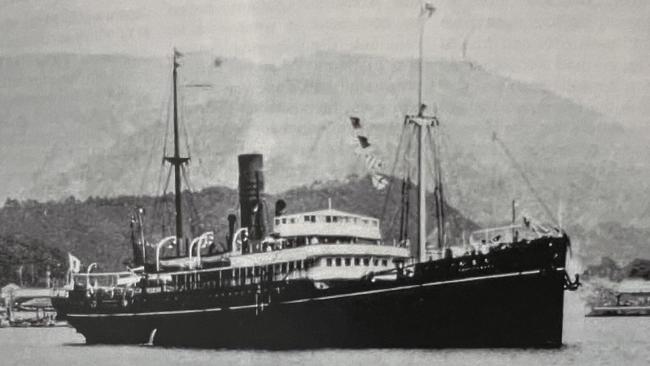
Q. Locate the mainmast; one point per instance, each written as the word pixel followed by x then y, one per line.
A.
pixel 177 161
pixel 423 124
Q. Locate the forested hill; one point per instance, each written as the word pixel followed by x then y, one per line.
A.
pixel 97 229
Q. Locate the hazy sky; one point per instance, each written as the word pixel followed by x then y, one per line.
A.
pixel 594 52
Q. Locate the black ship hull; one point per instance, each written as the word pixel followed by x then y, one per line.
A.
pixel 509 310
pixel 512 298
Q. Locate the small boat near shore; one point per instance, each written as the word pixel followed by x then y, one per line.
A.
pixel 631 297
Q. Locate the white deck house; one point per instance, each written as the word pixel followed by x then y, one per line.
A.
pixel 320 245
pixel 327 227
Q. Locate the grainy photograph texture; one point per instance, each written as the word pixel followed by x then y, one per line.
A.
pixel 324 182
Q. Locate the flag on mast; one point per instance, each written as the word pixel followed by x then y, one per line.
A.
pixel 356 123
pixel 74 263
pixel 379 181
pixel 177 55
pixel 364 149
pixel 427 10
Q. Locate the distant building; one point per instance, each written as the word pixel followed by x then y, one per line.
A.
pixel 606 269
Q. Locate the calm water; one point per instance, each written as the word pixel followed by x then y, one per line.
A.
pixel 589 341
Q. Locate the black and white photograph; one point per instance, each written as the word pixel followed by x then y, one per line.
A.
pixel 324 182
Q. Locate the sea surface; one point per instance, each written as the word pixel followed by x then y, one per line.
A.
pixel 588 341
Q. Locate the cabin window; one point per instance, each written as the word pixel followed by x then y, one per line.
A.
pixel 329 262
pixel 335 218
pixel 292 220
pixel 328 218
pixel 290 266
pixel 284 221
pixel 338 262
pixel 384 262
pixel 313 218
pixel 357 261
pixel 366 261
pixel 284 268
pixel 306 218
pixel 277 268
pixel 375 222
pixel 365 222
pixel 347 261
pixel 299 264
pixel 277 221
pixel 375 262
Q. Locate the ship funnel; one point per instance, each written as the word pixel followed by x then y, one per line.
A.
pixel 280 206
pixel 251 189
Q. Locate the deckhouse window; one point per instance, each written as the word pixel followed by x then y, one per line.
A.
pixel 328 218
pixel 338 262
pixel 366 261
pixel 375 262
pixel 384 262
pixel 357 261
pixel 329 262
pixel 347 261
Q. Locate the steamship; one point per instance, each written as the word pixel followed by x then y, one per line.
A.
pixel 327 278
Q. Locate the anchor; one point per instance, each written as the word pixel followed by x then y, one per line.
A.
pixel 571 285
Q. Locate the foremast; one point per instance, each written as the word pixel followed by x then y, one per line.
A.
pixel 177 160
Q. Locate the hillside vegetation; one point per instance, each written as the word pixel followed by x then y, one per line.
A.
pixel 97 229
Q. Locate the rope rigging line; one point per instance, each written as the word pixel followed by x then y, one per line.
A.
pixel 436 172
pixel 169 106
pixel 388 199
pixel 523 175
pixel 164 107
pixel 392 173
pixel 165 203
pixel 184 127
pixel 160 199
pixel 190 198
pixel 404 208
